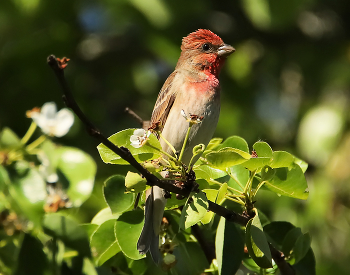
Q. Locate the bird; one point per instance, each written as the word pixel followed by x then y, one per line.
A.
pixel 192 88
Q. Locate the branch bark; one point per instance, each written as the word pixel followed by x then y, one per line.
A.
pixel 284 267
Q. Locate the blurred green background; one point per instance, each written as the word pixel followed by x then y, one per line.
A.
pixel 287 84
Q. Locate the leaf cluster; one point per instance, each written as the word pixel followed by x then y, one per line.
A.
pixel 227 173
pixel 37 180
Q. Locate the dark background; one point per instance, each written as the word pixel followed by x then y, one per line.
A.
pixel 286 84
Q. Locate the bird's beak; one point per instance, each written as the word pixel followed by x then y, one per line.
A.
pixel 225 50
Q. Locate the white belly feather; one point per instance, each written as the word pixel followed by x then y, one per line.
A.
pixel 175 128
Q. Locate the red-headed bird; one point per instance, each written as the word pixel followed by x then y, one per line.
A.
pixel 195 88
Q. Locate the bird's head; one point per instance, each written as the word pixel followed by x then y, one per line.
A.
pixel 204 50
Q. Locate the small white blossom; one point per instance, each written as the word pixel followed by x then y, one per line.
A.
pixel 139 138
pixel 193 119
pixel 50 121
pixel 183 114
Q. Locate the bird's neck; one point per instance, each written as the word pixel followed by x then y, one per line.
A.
pixel 211 66
pixel 202 82
pixel 206 65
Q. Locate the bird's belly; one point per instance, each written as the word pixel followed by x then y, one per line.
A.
pixel 175 129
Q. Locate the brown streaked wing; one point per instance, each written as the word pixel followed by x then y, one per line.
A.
pixel 164 101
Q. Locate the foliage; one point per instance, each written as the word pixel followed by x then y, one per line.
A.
pixel 226 172
pixel 37 180
pixel 41 178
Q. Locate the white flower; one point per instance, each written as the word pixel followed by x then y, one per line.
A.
pixel 139 138
pixel 183 114
pixel 193 119
pixel 50 121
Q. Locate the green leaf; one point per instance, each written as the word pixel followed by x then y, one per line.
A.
pixel 78 170
pixel 4 178
pixel 31 259
pixel 9 252
pixel 174 218
pixel 282 236
pixel 194 210
pixel 239 177
pixel 281 159
pixel 137 267
pixel 221 194
pixel 173 202
pixel 211 195
pixel 88 268
pixel 128 229
pixel 289 240
pixel 213 143
pixel 115 196
pixel 104 244
pixel 68 231
pixel 276 232
pixel 50 154
pixel 190 260
pixel 256 163
pixel 307 265
pixel 204 184
pixel 104 215
pixel 257 245
pixel 89 229
pixel 227 157
pixel 303 165
pixel 152 166
pixel 207 176
pixel 122 138
pixel 134 182
pixel 249 263
pixel 229 247
pixel 264 220
pixel 8 139
pixel 28 189
pixel 234 142
pixel 209 173
pixel 289 182
pixel 264 153
pixel 302 246
pixel 262 149
pixel 267 173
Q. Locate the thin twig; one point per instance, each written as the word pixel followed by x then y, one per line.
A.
pixel 143 123
pixel 137 199
pixel 284 267
pixel 228 214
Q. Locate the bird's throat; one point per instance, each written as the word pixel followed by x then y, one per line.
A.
pixel 209 83
pixel 213 67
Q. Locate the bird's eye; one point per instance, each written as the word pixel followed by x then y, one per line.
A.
pixel 206 47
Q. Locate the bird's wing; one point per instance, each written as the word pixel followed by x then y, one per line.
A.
pixel 164 101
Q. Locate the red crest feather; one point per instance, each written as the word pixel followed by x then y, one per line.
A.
pixel 195 39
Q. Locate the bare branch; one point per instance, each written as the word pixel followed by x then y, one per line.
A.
pixel 284 267
pixel 143 123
